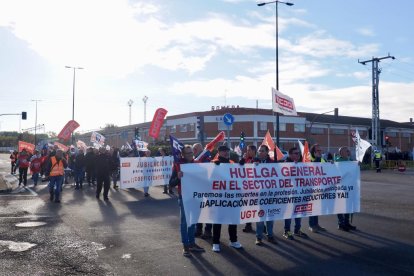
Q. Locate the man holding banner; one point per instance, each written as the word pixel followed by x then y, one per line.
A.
pixel 187 232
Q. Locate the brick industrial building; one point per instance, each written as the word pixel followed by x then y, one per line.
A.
pixel 330 131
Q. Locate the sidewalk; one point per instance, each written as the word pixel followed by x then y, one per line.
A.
pixel 6 182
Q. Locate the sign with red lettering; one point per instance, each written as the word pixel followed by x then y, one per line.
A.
pixel 235 194
pixel 283 103
pixel 29 147
pixel 65 133
pixel 157 122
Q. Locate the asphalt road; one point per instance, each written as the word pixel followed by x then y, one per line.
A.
pixel 135 235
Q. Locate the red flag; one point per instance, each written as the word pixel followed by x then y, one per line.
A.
pixel 268 141
pixel 67 130
pixel 220 137
pixel 157 122
pixel 61 146
pixel 29 147
pixel 306 154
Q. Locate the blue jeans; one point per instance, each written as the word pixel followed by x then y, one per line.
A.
pixel 79 175
pixel 187 233
pixel 146 189
pixel 313 221
pixel 260 228
pixel 288 222
pixel 35 177
pixel 55 185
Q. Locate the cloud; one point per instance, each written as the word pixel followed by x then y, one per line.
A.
pixel 366 32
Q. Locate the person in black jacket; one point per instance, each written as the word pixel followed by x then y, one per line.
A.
pixel 90 165
pixel 79 168
pixel 103 173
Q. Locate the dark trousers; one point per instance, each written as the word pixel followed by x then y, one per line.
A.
pixel 207 228
pixel 313 221
pixel 23 176
pixel 105 182
pixel 217 233
pixel 343 219
pixel 13 167
pixel 90 175
pixel 377 165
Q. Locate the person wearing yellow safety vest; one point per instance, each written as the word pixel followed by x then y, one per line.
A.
pixel 377 159
pixel 316 156
pixel 55 172
pixel 343 219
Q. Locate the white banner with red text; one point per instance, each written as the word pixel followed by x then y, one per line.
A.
pixel 138 172
pixel 235 194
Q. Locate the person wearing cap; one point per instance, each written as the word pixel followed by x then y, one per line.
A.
pixel 55 172
pixel 187 231
pixel 343 219
pixel 263 157
pixel 224 157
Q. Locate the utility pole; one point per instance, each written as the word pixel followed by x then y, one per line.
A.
pixel 145 99
pixel 376 128
pixel 130 102
pixel 35 128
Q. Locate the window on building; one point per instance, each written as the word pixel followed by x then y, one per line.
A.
pixel 222 126
pixel 338 131
pixel 299 128
pixel 406 135
pixel 391 134
pixel 183 128
pixel 192 127
pixel 317 130
pixel 172 129
pixel 282 127
pixel 263 126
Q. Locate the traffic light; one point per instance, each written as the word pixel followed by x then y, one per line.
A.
pixel 24 115
pixel 387 140
pixel 136 133
pixel 242 142
pixel 200 128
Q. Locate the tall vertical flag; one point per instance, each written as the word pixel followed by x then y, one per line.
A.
pixel 157 122
pixel 268 141
pixel 361 146
pixel 282 103
pixel 176 148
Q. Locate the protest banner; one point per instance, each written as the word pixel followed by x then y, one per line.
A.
pixel 97 138
pixel 283 103
pixel 67 130
pixel 138 172
pixel 24 145
pixel 235 194
pixel 157 122
pixel 62 147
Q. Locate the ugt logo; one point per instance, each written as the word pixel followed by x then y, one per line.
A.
pixel 303 208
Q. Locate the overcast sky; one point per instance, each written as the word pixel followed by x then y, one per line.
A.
pixel 187 56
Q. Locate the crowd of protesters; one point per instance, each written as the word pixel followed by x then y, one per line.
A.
pixel 98 167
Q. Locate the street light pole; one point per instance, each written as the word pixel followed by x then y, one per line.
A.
pixel 35 128
pixel 73 95
pixel 277 57
pixel 130 102
pixel 145 99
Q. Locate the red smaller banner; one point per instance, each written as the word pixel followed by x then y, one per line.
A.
pixel 61 146
pixel 67 130
pixel 29 147
pixel 157 122
pixel 220 137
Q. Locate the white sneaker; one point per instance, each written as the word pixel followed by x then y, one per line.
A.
pixel 236 245
pixel 216 247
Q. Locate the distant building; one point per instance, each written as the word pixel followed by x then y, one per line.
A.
pixel 330 131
